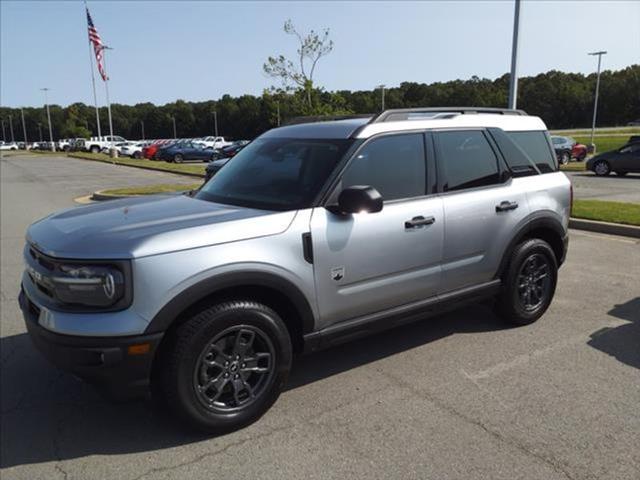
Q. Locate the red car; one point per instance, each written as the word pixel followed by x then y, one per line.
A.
pixel 149 152
pixel 579 152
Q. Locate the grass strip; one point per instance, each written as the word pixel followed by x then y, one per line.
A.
pixel 151 189
pixel 195 170
pixel 603 211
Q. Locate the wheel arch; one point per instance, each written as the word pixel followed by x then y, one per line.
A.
pixel 270 289
pixel 546 228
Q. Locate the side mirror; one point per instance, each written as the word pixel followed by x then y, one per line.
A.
pixel 359 199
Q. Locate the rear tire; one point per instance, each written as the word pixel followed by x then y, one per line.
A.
pixel 95 149
pixel 565 157
pixel 621 174
pixel 177 158
pixel 137 155
pixel 529 283
pixel 225 367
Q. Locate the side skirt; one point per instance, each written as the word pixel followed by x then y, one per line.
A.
pixel 376 322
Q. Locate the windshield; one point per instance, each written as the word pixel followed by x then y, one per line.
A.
pixel 276 173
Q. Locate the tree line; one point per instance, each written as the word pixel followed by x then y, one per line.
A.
pixel 562 100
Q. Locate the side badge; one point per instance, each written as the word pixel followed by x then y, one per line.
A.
pixel 337 273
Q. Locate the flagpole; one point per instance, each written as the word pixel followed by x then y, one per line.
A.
pixel 93 82
pixel 106 88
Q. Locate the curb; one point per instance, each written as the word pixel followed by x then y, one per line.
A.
pixel 101 197
pixel 142 167
pixel 605 227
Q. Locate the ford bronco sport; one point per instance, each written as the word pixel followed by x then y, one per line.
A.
pixel 314 234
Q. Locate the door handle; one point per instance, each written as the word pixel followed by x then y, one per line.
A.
pixel 505 206
pixel 420 221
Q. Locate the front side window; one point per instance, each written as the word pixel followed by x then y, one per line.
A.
pixel 394 165
pixel 536 146
pixel 276 173
pixel 467 159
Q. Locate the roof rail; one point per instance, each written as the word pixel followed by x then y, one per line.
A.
pixel 396 115
pixel 325 118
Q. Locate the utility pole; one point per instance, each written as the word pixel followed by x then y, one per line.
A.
pixel 13 140
pixel 24 128
pixel 142 128
pixel 40 131
pixel 215 123
pixel 46 102
pixel 382 87
pixel 595 103
pixel 513 79
pixel 278 111
pixel 175 134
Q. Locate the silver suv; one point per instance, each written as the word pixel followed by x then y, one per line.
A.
pixel 314 234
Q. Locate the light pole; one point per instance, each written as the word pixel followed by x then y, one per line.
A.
pixel 595 103
pixel 142 128
pixel 40 131
pixel 4 137
pixel 513 79
pixel 24 128
pixel 215 123
pixel 175 134
pixel 13 140
pixel 382 87
pixel 112 152
pixel 46 102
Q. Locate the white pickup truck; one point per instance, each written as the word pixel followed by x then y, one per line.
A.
pixel 214 142
pixel 95 144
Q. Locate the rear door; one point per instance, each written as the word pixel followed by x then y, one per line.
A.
pixel 482 206
pixel 366 263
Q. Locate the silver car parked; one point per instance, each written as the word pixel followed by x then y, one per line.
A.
pixel 315 234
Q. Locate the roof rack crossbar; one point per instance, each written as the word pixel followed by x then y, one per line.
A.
pixel 399 114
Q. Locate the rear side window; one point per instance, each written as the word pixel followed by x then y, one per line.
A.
pixel 467 160
pixel 536 146
pixel 394 165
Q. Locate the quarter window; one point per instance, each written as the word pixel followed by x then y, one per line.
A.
pixel 536 146
pixel 394 165
pixel 467 160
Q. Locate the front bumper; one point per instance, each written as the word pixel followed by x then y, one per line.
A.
pixel 108 362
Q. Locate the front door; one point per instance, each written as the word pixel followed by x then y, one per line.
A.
pixel 366 263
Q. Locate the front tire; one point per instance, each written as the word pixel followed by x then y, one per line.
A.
pixel 621 174
pixel 565 157
pixel 177 158
pixel 529 283
pixel 226 366
pixel 602 168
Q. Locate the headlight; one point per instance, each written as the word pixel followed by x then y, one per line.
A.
pixel 89 285
pixel 77 285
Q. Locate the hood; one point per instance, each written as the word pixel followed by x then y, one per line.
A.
pixel 138 227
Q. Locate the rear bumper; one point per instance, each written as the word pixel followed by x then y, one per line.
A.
pixel 106 362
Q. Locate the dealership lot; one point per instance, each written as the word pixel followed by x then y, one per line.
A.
pixel 458 396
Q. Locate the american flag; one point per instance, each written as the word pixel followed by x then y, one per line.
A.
pixel 98 47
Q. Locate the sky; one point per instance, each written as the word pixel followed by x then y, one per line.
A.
pixel 201 50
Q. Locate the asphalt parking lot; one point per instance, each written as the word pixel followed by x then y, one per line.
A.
pixel 454 397
pixel 613 188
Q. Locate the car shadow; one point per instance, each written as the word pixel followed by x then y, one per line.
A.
pixel 622 342
pixel 49 416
